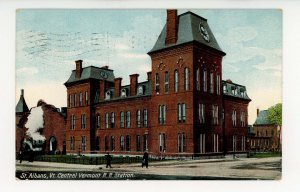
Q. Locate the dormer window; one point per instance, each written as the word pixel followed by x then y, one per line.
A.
pixel 123 93
pixel 108 95
pixel 140 90
pixel 224 89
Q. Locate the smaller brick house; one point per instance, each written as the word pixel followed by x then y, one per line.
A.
pixel 53 128
pixel 265 134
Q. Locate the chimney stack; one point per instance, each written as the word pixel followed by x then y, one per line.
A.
pixel 133 84
pixel 102 90
pixel 78 68
pixel 172 26
pixel 118 82
pixel 149 75
pixel 257 112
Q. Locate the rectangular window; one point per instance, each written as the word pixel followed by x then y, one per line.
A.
pixel 234 143
pixel 157 83
pixel 128 142
pixel 242 119
pixel 186 79
pixel 86 98
pixel 112 120
pixel 112 143
pixel 243 144
pixel 215 114
pixel 145 142
pixel 138 143
pixel 138 118
pixel 234 118
pixel 162 114
pixel 72 122
pixel 83 143
pixel 202 143
pixel 216 143
pixel 80 99
pixel 72 143
pixel 128 119
pixel 197 79
pixel 179 117
pixel 181 142
pixel 211 82
pixel 122 119
pixel 106 120
pixel 201 113
pixel 183 112
pixel 98 121
pixel 75 100
pixel 204 81
pixel 70 100
pixel 106 143
pixel 166 82
pixel 218 84
pixel 145 118
pixel 83 121
pixel 162 142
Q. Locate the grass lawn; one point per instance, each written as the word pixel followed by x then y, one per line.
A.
pixel 265 155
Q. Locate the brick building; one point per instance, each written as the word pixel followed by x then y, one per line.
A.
pixel 182 109
pixel 54 126
pixel 266 135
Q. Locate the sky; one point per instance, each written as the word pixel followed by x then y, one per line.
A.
pixel 48 41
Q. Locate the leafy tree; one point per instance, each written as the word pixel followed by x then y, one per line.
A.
pixel 275 114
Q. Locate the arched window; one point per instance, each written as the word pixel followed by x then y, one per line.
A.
pixel 204 80
pixel 166 82
pixel 198 79
pixel 106 120
pixel 176 81
pixel 186 79
pixel 106 143
pixel 128 143
pixel 112 143
pixel 122 143
pixel 122 120
pixel 112 120
pixel 211 82
pixel 128 119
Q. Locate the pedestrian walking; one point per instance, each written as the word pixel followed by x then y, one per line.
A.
pixel 145 160
pixel 108 160
pixel 21 156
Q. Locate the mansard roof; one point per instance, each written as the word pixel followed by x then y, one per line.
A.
pixel 188 31
pixel 234 90
pixel 92 72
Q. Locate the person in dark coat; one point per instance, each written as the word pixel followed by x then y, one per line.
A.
pixel 145 160
pixel 108 160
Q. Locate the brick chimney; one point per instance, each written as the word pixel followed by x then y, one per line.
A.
pixel 133 84
pixel 149 75
pixel 104 67
pixel 78 68
pixel 102 90
pixel 257 112
pixel 118 82
pixel 172 26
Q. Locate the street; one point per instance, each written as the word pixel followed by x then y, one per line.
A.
pixel 220 169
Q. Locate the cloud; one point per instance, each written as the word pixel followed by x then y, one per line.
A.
pixel 134 55
pixel 26 71
pixel 238 52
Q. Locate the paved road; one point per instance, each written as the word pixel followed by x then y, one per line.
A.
pixel 242 168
